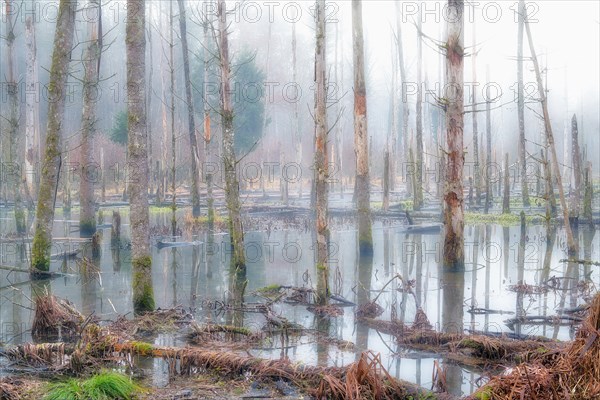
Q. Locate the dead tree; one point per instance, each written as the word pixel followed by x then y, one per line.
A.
pixel 207 128
pixel 403 83
pixel 488 144
pixel 453 193
pixel 418 176
pixel 32 120
pixel 87 215
pixel 141 256
pixel 321 160
pixel 571 243
pixel 296 118
pixel 577 174
pixel 506 196
pixel 476 168
pixel 51 164
pixel 13 122
pixel 191 115
pixel 232 187
pixel 361 138
pixel 521 107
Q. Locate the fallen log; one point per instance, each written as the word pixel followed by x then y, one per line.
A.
pixel 582 262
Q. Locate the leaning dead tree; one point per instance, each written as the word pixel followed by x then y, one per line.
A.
pixel 51 164
pixel 194 159
pixel 521 107
pixel 571 243
pixel 361 136
pixel 453 191
pixel 141 256
pixel 321 160
pixel 91 64
pixel 232 187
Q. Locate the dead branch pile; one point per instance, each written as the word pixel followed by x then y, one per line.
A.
pixel 55 317
pixel 466 349
pixel 574 374
pixel 9 389
pixel 151 323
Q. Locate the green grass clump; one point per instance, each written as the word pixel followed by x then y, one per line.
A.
pixel 104 386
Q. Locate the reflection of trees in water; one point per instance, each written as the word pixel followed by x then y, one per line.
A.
pixel 363 289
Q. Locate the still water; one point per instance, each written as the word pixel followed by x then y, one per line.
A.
pixel 197 276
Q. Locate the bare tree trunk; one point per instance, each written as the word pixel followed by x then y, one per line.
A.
pixel 190 108
pixel 506 197
pixel 588 196
pixel 59 71
pixel 232 187
pixel 477 172
pixel 521 108
pixel 151 170
pixel 173 142
pixel 339 78
pixel 571 243
pixel 488 146
pixel 103 176
pixel 403 83
pixel 361 138
pixel 141 259
pixel 32 122
pixel 577 174
pixel 453 194
pixel 386 179
pixel 87 215
pixel 321 159
pixel 296 118
pixel 418 177
pixel 13 122
pixel 207 130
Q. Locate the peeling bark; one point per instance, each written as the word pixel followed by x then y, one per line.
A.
pixel 321 159
pixel 521 108
pixel 361 138
pixel 453 192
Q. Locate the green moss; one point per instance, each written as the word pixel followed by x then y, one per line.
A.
pixel 40 259
pixel 143 293
pixel 143 348
pixel 485 393
pixel 270 290
pixel 407 205
pixel 103 386
pixel 500 219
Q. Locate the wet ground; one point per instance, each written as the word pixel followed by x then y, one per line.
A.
pixel 499 261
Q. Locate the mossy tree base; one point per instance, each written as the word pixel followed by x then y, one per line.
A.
pixel 143 292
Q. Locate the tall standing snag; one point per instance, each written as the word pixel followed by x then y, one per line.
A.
pixel 51 164
pixel 453 190
pixel 232 187
pixel 577 173
pixel 141 259
pixel 190 108
pixel 361 138
pixel 87 216
pixel 321 159
pixel 521 107
pixel 571 243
